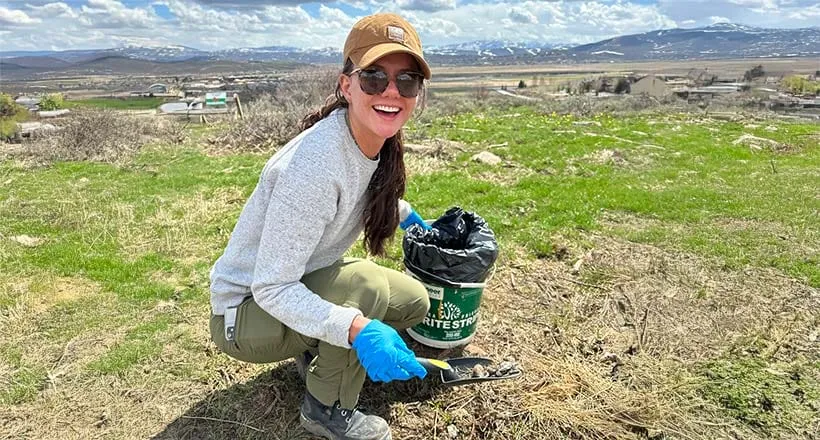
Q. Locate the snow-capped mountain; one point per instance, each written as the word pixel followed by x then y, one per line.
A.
pixel 158 53
pixel 723 40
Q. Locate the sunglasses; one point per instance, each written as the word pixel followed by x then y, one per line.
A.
pixel 375 81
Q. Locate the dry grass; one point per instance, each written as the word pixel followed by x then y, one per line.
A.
pixel 175 228
pixel 608 353
pixel 272 119
pixel 98 135
pixel 430 155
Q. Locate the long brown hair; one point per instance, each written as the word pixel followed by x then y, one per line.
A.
pixel 381 215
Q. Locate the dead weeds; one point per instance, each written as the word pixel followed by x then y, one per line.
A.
pixel 431 156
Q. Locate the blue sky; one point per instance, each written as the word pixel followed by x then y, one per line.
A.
pixel 220 24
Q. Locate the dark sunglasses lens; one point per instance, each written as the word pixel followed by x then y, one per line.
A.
pixel 373 82
pixel 408 85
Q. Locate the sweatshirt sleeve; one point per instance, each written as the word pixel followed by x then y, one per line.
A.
pixel 302 202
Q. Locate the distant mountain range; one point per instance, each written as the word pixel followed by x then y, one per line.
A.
pixel 723 40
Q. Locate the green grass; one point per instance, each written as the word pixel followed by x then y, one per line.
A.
pixel 763 395
pixel 692 178
pixel 140 344
pixel 136 103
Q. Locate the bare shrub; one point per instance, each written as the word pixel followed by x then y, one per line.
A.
pixel 101 135
pixel 272 119
pixel 584 105
pixel 745 100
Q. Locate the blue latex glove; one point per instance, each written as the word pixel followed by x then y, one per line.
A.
pixel 414 219
pixel 384 355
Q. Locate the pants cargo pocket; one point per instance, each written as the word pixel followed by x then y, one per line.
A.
pixel 260 338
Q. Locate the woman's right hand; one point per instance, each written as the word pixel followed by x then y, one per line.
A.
pixel 384 355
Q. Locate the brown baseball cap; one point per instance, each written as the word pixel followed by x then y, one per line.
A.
pixel 378 35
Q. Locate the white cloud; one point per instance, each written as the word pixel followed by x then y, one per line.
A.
pixel 335 18
pixel 290 15
pixel 759 6
pixel 717 19
pixel 52 10
pixel 438 27
pixel 426 5
pixel 521 15
pixel 807 13
pixel 16 17
pixel 210 24
pixel 112 14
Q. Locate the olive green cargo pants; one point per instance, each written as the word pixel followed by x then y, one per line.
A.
pixel 335 373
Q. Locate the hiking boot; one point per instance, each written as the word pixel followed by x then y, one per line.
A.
pixel 337 423
pixel 303 361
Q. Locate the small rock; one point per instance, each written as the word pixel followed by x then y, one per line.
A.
pixel 83 180
pixel 595 123
pixel 576 268
pixel 452 431
pixel 487 158
pixel 771 128
pixel 27 241
pixel 479 371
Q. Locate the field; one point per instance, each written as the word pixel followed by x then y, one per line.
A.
pixel 116 103
pixel 659 278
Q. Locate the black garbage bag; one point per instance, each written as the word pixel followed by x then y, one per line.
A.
pixel 460 248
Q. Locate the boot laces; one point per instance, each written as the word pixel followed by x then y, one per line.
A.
pixel 347 414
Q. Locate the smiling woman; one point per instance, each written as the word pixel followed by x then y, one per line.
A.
pixel 281 289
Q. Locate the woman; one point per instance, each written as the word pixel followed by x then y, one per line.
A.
pixel 281 288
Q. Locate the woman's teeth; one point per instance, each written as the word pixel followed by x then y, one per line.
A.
pixel 387 109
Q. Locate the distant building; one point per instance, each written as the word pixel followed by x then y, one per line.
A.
pixel 650 85
pixel 30 103
pixel 157 88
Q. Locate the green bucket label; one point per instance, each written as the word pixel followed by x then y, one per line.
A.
pixel 453 315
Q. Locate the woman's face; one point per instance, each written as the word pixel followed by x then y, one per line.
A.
pixel 374 118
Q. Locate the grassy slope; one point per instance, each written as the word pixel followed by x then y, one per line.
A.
pixel 116 293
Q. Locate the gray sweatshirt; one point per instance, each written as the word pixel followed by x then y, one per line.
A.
pixel 304 214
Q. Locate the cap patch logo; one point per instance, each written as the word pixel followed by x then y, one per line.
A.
pixel 395 33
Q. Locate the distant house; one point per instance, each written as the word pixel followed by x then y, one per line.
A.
pixel 30 103
pixel 157 88
pixel 650 85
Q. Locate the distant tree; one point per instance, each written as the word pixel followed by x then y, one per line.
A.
pixel 622 86
pixel 51 101
pixel 754 72
pixel 585 86
pixel 799 85
pixel 603 85
pixel 522 84
pixel 9 108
